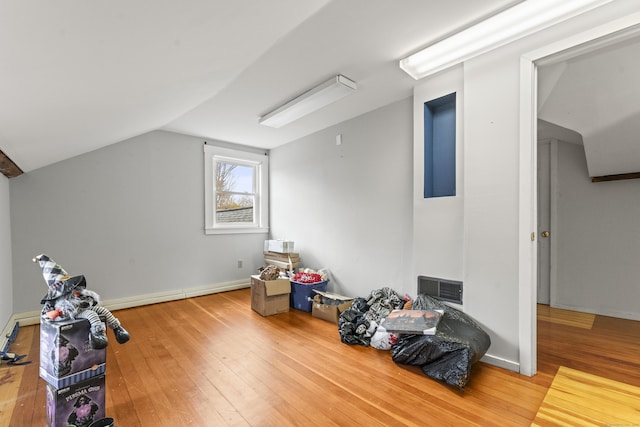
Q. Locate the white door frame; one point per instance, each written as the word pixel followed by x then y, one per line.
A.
pixel 528 218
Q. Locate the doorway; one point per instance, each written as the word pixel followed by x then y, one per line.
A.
pixel 528 203
pixel 593 93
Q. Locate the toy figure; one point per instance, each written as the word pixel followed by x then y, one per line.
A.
pixel 84 409
pixel 65 353
pixel 69 298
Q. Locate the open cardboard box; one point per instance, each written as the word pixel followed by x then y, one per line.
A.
pixel 270 297
pixel 331 305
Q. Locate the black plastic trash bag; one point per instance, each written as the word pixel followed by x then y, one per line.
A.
pixel 358 323
pixel 352 324
pixel 448 355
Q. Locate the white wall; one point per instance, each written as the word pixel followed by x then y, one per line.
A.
pixel 598 240
pixel 491 199
pixel 130 217
pixel 473 237
pixel 348 207
pixel 491 86
pixel 6 275
pixel 438 225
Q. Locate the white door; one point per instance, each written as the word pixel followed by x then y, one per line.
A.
pixel 544 221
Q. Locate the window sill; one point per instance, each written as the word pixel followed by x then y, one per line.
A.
pixel 239 230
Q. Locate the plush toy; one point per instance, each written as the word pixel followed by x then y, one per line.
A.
pixel 383 340
pixel 68 298
pixel 270 272
pixel 408 302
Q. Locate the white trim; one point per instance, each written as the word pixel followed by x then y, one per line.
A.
pixel 527 250
pixel 553 222
pixel 261 206
pixel 33 317
pixel 231 230
pixel 27 318
pixel 527 246
pixel 501 363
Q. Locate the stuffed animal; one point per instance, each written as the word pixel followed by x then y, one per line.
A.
pixel 383 340
pixel 68 298
pixel 270 272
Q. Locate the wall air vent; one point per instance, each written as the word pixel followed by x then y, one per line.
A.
pixel 446 290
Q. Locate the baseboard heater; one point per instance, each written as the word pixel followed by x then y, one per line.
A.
pixel 444 289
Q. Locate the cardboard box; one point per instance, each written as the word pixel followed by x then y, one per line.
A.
pixel 282 246
pixel 331 306
pixel 281 264
pixel 79 404
pixel 66 357
pixel 287 261
pixel 270 297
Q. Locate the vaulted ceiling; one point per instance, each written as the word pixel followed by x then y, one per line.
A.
pixel 78 75
pixel 597 94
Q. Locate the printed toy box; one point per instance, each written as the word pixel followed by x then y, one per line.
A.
pixel 65 354
pixel 77 405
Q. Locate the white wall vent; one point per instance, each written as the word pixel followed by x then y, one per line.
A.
pixel 446 290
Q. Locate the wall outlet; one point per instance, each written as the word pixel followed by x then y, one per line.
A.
pixel 239 263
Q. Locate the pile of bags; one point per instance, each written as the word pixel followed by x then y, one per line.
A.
pixel 447 356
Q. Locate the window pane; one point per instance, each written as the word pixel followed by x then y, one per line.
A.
pixel 234 208
pixel 236 191
pixel 234 177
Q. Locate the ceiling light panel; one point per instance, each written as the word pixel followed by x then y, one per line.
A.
pixel 512 24
pixel 310 101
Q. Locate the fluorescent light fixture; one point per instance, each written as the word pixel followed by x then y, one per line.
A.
pixel 310 101
pixel 519 21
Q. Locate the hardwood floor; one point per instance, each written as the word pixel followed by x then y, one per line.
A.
pixel 212 361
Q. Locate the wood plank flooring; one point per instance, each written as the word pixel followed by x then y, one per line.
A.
pixel 580 399
pixel 212 361
pixel 565 317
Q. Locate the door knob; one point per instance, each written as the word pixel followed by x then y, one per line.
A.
pixel 545 234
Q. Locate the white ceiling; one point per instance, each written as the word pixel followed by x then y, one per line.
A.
pixel 597 94
pixel 77 75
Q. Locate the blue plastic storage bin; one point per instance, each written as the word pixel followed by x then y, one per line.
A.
pixel 302 294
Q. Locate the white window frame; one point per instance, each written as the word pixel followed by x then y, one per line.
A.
pixel 260 223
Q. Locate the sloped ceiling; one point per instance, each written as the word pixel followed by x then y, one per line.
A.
pixel 78 75
pixel 597 94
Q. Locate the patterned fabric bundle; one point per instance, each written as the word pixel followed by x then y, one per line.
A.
pixel 359 323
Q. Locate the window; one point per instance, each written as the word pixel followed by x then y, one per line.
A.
pixel 236 191
pixel 440 147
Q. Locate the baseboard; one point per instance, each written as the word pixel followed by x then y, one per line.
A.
pixel 221 287
pixel 139 300
pixel 501 363
pixel 33 317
